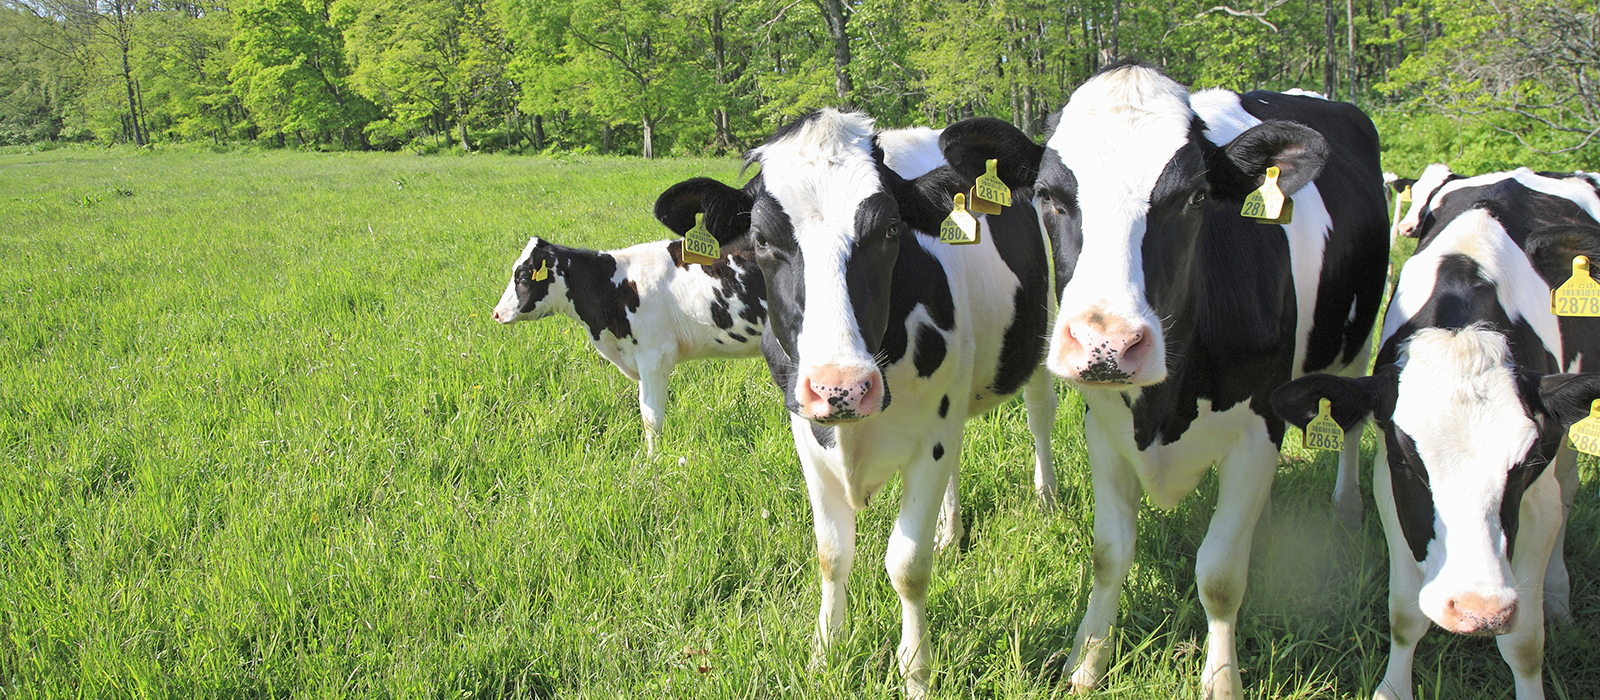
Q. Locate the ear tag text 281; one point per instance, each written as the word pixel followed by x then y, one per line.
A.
pixel 959 228
pixel 1323 433
pixel 698 244
pixel 543 273
pixel 990 193
pixel 1268 204
pixel 1579 296
pixel 1585 434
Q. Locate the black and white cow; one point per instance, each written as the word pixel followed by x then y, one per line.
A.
pixel 883 340
pixel 1178 317
pixel 644 308
pixel 1471 399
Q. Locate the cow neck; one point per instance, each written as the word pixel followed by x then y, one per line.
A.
pixel 591 297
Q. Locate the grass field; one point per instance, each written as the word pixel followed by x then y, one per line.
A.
pixel 259 438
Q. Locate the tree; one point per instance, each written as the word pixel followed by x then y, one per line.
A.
pixel 291 72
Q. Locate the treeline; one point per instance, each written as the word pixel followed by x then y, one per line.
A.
pixel 654 77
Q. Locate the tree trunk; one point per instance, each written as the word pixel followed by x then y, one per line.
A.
pixel 1116 23
pixel 605 138
pixel 461 121
pixel 719 116
pixel 1330 58
pixel 538 132
pixel 834 16
pixel 649 137
pixel 133 102
pixel 1350 29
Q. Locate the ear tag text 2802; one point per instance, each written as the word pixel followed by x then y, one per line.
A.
pixel 1579 296
pixel 959 228
pixel 543 273
pixel 698 244
pixel 1323 433
pixel 1267 204
pixel 990 193
pixel 1585 434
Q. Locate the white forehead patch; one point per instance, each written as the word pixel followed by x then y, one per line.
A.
pixel 1458 401
pixel 823 170
pixel 1119 130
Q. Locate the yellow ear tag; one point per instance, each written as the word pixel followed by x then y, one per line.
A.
pixel 698 244
pixel 979 205
pixel 1585 434
pixel 1405 195
pixel 1579 296
pixel 1267 202
pixel 990 189
pixel 543 273
pixel 1323 433
pixel 959 228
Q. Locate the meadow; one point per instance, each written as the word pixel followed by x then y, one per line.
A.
pixel 260 439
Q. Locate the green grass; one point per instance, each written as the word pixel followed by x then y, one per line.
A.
pixel 259 438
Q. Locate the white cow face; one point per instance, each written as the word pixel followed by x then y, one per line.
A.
pixel 527 296
pixel 1427 185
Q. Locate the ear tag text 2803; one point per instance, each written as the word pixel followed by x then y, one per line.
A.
pixel 698 244
pixel 1323 433
pixel 1585 434
pixel 959 228
pixel 990 193
pixel 1267 204
pixel 1579 296
pixel 543 273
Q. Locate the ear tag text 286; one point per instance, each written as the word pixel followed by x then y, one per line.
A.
pixel 1579 296
pixel 989 193
pixel 543 273
pixel 959 228
pixel 1585 434
pixel 1323 433
pixel 698 244
pixel 1267 204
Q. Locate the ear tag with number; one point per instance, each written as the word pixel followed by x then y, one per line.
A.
pixel 959 228
pixel 1267 202
pixel 979 205
pixel 1323 433
pixel 990 189
pixel 543 273
pixel 1579 296
pixel 698 244
pixel 1405 195
pixel 1585 434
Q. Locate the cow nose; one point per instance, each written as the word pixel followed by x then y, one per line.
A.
pixel 1406 229
pixel 1100 349
pixel 1472 613
pixel 839 394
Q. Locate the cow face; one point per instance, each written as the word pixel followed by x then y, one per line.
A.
pixel 534 284
pixel 1423 189
pixel 1465 433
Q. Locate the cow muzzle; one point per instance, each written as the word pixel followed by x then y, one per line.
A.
pixel 1479 614
pixel 1099 349
pixel 833 394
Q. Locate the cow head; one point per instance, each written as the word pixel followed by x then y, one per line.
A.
pixel 535 287
pixel 1465 433
pixel 1423 189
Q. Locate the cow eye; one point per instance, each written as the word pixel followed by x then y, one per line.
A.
pixel 892 232
pixel 1197 198
pixel 761 245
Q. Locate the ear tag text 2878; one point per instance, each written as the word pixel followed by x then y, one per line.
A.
pixel 959 228
pixel 1324 433
pixel 698 244
pixel 543 273
pixel 1585 434
pixel 990 193
pixel 1579 296
pixel 1268 204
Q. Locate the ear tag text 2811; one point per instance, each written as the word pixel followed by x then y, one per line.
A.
pixel 989 193
pixel 1579 296
pixel 959 228
pixel 1323 433
pixel 543 273
pixel 1585 434
pixel 1268 204
pixel 698 244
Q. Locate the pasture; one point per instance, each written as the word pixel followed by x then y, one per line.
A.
pixel 260 438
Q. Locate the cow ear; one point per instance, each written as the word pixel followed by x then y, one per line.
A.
pixel 727 210
pixel 1351 399
pixel 1237 169
pixel 970 143
pixel 1400 185
pixel 1567 397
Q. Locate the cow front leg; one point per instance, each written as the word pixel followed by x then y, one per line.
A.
pixel 834 522
pixel 1541 518
pixel 1347 504
pixel 1039 396
pixel 1222 566
pixel 1407 624
pixel 653 373
pixel 1557 585
pixel 1116 532
pixel 910 554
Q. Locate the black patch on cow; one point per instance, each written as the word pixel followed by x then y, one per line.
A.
pixel 529 291
pixel 968 145
pixel 933 293
pixel 878 231
pixel 1057 200
pixel 930 350
pixel 1413 499
pixel 938 451
pixel 599 304
pixel 823 434
pixel 1462 297
pixel 735 337
pixel 1016 235
pixel 944 406
pixel 778 255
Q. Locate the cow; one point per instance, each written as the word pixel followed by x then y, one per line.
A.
pixel 883 340
pixel 645 309
pixel 1475 387
pixel 1177 317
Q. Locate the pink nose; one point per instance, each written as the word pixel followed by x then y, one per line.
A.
pixel 1406 229
pixel 1470 613
pixel 1102 349
pixel 839 394
pixel 496 316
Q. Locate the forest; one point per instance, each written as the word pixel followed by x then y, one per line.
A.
pixel 1481 84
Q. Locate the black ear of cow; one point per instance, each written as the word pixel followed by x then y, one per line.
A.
pixel 1567 397
pixel 727 210
pixel 1298 151
pixel 1400 185
pixel 1351 399
pixel 969 143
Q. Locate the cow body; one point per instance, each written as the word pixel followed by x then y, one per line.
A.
pixel 644 309
pixel 884 341
pixel 1469 396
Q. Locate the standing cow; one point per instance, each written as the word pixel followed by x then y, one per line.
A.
pixel 1473 409
pixel 1178 317
pixel 883 340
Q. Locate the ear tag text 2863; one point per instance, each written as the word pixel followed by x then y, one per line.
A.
pixel 1323 433
pixel 1579 296
pixel 543 273
pixel 1267 204
pixel 698 244
pixel 959 228
pixel 1585 434
pixel 990 193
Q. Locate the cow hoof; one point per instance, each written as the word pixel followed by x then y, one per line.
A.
pixel 1047 500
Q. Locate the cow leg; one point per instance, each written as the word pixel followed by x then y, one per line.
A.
pixel 1116 531
pixel 653 373
pixel 1541 519
pixel 1557 586
pixel 1347 487
pixel 1407 624
pixel 910 554
pixel 950 528
pixel 1039 396
pixel 1223 563
pixel 834 522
